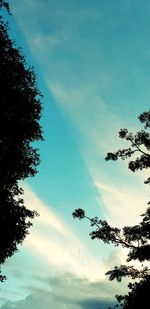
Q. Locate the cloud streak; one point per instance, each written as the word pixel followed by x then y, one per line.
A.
pixel 82 77
pixel 66 291
pixel 57 245
pixel 119 190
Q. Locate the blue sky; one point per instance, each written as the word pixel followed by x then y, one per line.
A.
pixel 92 60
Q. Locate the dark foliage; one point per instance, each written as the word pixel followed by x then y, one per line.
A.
pixel 5 4
pixel 135 238
pixel 20 112
pixel 138 296
pixel 139 145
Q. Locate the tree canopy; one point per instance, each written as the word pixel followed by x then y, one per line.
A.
pixel 20 105
pixel 135 238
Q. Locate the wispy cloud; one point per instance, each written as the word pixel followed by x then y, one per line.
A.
pixel 119 189
pixel 122 205
pixel 48 255
pixel 67 291
pixel 90 114
pixel 57 245
pixel 81 73
pixel 46 218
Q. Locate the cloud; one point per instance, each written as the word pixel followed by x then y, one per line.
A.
pixel 85 106
pixel 53 250
pixel 119 190
pixel 78 74
pixel 47 217
pixel 55 243
pixel 119 202
pixel 79 81
pixel 68 292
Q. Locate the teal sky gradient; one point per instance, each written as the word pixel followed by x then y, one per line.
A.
pixel 92 60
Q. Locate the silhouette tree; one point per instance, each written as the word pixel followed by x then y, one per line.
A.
pixel 20 104
pixel 135 238
pixel 5 4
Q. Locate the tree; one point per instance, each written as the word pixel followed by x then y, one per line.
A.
pixel 5 4
pixel 20 105
pixel 135 238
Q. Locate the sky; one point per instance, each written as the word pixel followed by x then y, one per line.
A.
pixel 92 60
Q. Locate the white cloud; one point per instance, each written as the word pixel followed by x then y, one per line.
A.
pixel 78 94
pixel 57 245
pixel 47 217
pixel 68 292
pixel 90 114
pixel 122 206
pixel 53 250
pixel 119 189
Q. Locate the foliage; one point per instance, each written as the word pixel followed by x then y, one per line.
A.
pixel 135 238
pixel 137 297
pixel 140 144
pixel 5 4
pixel 20 103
